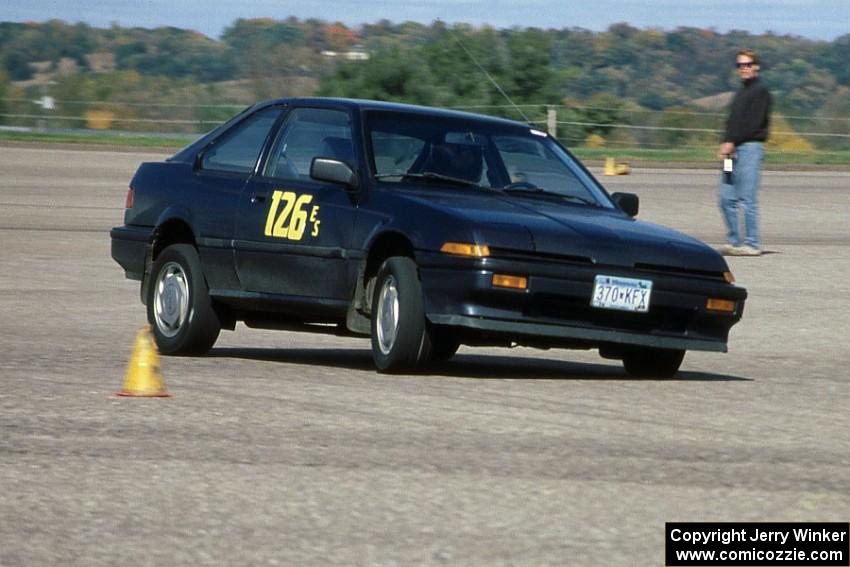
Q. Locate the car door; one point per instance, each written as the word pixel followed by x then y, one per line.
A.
pixel 293 232
pixel 221 172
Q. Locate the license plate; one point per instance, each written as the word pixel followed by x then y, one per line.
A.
pixel 625 294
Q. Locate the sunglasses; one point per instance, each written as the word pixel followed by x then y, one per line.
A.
pixel 745 65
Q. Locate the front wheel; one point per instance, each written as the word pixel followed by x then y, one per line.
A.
pixel 399 334
pixel 652 362
pixel 179 307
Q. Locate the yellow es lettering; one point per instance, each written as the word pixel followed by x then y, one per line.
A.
pixel 291 222
pixel 315 221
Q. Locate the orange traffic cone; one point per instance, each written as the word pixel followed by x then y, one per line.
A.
pixel 614 168
pixel 143 376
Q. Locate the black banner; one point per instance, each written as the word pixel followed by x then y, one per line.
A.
pixel 757 544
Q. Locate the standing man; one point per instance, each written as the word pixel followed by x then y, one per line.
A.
pixel 746 131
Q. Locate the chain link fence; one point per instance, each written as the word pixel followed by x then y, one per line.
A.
pixel 577 126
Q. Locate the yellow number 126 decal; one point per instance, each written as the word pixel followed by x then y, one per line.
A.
pixel 291 222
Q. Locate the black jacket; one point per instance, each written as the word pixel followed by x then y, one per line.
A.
pixel 749 116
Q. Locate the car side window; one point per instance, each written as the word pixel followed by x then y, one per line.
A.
pixel 239 149
pixel 308 133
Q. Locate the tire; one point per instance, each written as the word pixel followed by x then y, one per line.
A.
pixel 399 333
pixel 178 304
pixel 652 362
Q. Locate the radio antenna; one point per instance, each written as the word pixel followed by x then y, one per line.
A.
pixel 486 74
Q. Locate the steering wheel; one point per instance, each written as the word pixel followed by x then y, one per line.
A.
pixel 520 185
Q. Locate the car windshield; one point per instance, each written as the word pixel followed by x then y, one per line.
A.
pixel 518 161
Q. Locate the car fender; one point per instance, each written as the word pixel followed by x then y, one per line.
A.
pixel 172 214
pixel 176 212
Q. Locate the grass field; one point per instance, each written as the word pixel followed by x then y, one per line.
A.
pixel 140 140
pixel 696 156
pixel 709 155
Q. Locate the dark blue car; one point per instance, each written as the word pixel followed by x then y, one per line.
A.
pixel 422 228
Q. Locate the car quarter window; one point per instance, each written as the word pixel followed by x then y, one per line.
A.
pixel 239 149
pixel 309 133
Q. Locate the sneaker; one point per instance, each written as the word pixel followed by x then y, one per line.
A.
pixel 727 250
pixel 746 250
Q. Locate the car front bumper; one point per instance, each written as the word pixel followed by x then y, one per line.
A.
pixel 555 307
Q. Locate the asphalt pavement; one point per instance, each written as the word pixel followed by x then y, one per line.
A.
pixel 284 448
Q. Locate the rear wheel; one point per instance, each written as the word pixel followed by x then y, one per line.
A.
pixel 652 362
pixel 179 307
pixel 399 334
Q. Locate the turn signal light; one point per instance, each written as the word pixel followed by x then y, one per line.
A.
pixel 513 282
pixel 724 305
pixel 465 249
pixel 728 277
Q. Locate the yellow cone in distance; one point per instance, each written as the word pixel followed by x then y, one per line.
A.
pixel 614 168
pixel 143 376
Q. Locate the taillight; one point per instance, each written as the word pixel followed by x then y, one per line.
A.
pixel 131 198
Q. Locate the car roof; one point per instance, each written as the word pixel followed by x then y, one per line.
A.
pixel 367 105
pixel 353 104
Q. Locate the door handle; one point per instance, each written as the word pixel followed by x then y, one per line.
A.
pixel 259 198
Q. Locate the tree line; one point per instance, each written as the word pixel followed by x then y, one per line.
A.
pixel 601 76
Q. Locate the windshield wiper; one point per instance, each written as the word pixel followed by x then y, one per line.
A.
pixel 442 177
pixel 434 176
pixel 547 193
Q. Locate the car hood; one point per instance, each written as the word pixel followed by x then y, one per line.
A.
pixel 600 236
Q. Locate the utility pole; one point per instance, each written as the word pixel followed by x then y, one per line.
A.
pixel 552 121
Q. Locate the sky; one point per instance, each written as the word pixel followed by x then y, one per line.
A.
pixel 814 19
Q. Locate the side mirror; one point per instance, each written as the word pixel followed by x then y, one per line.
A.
pixel 628 203
pixel 335 171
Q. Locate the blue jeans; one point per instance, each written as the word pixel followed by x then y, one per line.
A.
pixel 743 194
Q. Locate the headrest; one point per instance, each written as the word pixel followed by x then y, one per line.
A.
pixel 463 161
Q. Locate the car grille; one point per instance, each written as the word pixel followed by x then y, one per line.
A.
pixel 577 311
pixel 675 271
pixel 538 257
